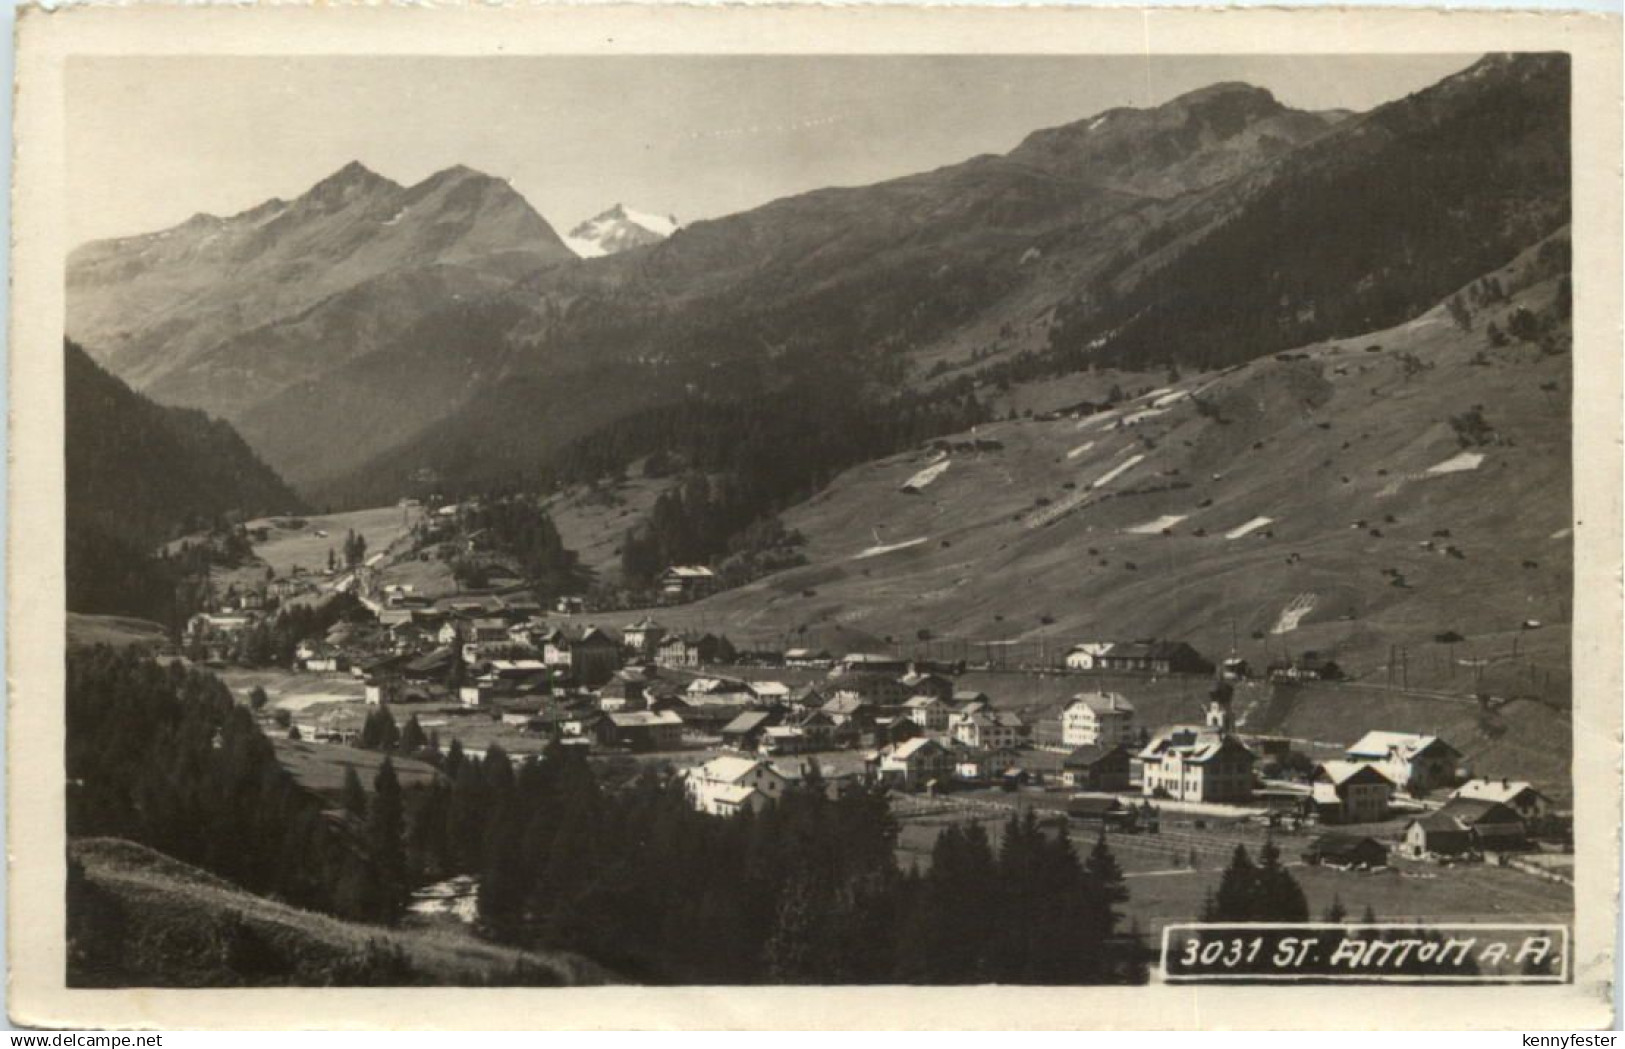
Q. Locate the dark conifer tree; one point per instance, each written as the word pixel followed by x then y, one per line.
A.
pixel 1236 899
pixel 465 817
pixel 379 731
pixel 796 948
pixel 428 852
pixel 1279 897
pixel 1105 890
pixel 386 827
pixel 1106 879
pixel 412 737
pixel 355 795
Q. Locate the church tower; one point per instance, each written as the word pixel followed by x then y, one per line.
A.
pixel 1219 718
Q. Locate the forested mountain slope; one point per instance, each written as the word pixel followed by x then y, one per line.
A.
pixel 139 473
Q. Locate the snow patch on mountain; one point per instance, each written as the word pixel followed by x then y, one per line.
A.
pixel 1157 527
pixel 619 229
pixel 660 225
pixel 1249 528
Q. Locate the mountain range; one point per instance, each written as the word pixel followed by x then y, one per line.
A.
pixel 224 313
pixel 477 349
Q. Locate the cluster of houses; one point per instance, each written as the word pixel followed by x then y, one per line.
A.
pixel 1479 818
pixel 901 723
pixel 1482 819
pixel 915 731
pixel 940 738
pixel 1360 787
pixel 504 640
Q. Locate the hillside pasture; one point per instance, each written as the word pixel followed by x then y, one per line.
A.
pixel 593 521
pixel 426 574
pixel 293 690
pixel 321 767
pixel 1365 555
pixel 117 631
pixel 298 542
pixel 302 547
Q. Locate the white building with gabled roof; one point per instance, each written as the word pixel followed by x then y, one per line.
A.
pixel 1350 792
pixel 988 730
pixel 643 636
pixel 769 691
pixel 686 583
pixel 1416 762
pixel 1098 719
pixel 928 712
pixel 916 762
pixel 728 785
pixel 1187 763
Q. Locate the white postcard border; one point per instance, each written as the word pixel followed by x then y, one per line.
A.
pixel 36 586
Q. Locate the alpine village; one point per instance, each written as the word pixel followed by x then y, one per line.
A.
pixel 950 580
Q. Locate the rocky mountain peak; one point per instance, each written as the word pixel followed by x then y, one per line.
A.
pixel 1189 142
pixel 347 183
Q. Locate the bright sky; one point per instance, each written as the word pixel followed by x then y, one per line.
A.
pixel 153 141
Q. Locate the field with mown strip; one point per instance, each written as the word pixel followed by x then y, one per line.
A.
pixel 321 767
pixel 293 690
pixel 306 545
pixel 117 631
pixel 593 521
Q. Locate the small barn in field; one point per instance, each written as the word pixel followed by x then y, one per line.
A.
pixel 1102 810
pixel 1346 850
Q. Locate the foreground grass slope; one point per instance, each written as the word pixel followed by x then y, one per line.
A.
pixel 138 918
